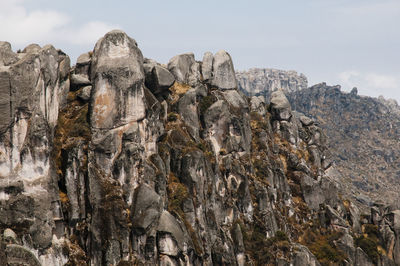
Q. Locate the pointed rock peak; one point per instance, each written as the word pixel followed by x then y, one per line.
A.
pixel 206 67
pixel 279 100
pixel 223 71
pixel 180 66
pixel 117 77
pixel 280 106
pixel 7 56
pixel 32 48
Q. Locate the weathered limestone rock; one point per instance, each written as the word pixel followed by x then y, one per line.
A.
pixel 257 104
pixel 207 66
pixel 111 176
pixel 31 48
pixel 79 80
pixel 118 82
pixel 262 82
pixel 7 56
pixel 280 106
pixel 303 256
pixel 147 208
pixel 168 224
pixel 18 255
pixel 185 69
pixel 158 79
pixel 85 93
pixel 36 90
pixel 223 71
pixel 9 236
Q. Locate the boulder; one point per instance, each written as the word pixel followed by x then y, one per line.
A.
pixel 84 59
pixel 207 66
pixel 257 104
pixel 7 56
pixel 78 81
pixel 185 69
pixel 169 224
pixel 361 259
pixel 118 82
pixel 10 236
pixel 84 93
pixel 82 66
pixel 280 106
pixel 303 256
pixel 187 108
pixel 159 79
pixel 32 48
pixel 146 208
pixel 223 72
pixel 19 255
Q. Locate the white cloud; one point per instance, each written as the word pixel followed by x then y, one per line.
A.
pixel 373 84
pixel 21 27
pixel 90 32
pixel 382 81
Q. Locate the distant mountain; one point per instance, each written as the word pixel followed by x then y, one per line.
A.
pixel 262 81
pixel 363 132
pixel 120 160
pixel 363 136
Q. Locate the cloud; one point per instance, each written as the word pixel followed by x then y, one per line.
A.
pixel 90 32
pixel 21 26
pixel 382 81
pixel 369 83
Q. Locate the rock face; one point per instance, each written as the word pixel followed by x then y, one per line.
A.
pixel 140 163
pixel 363 134
pixel 263 81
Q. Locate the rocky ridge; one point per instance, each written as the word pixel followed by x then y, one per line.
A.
pixel 363 135
pixel 121 160
pixel 262 81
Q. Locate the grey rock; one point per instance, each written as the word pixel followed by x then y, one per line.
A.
pixel 79 80
pixel 262 82
pixel 280 106
pixel 146 209
pixel 9 236
pixel 7 56
pixel 5 99
pixel 184 68
pixel 223 72
pixel 84 93
pixel 187 108
pixel 168 224
pixel 235 99
pixel 32 48
pixel 18 255
pixel 83 63
pixel 306 121
pixel 361 259
pixel 118 82
pixel 303 256
pixel 84 59
pixel 167 245
pixel 207 66
pixel 257 104
pixel 159 79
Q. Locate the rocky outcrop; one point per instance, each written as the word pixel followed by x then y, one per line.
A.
pixel 33 87
pixel 141 163
pixel 363 135
pixel 263 81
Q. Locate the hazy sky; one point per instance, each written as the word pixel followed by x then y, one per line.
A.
pixel 346 42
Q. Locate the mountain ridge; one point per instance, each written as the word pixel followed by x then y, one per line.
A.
pixel 121 160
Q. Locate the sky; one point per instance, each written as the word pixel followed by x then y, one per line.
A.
pixel 353 43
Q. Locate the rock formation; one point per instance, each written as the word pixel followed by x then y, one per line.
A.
pixel 121 160
pixel 363 134
pixel 262 81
